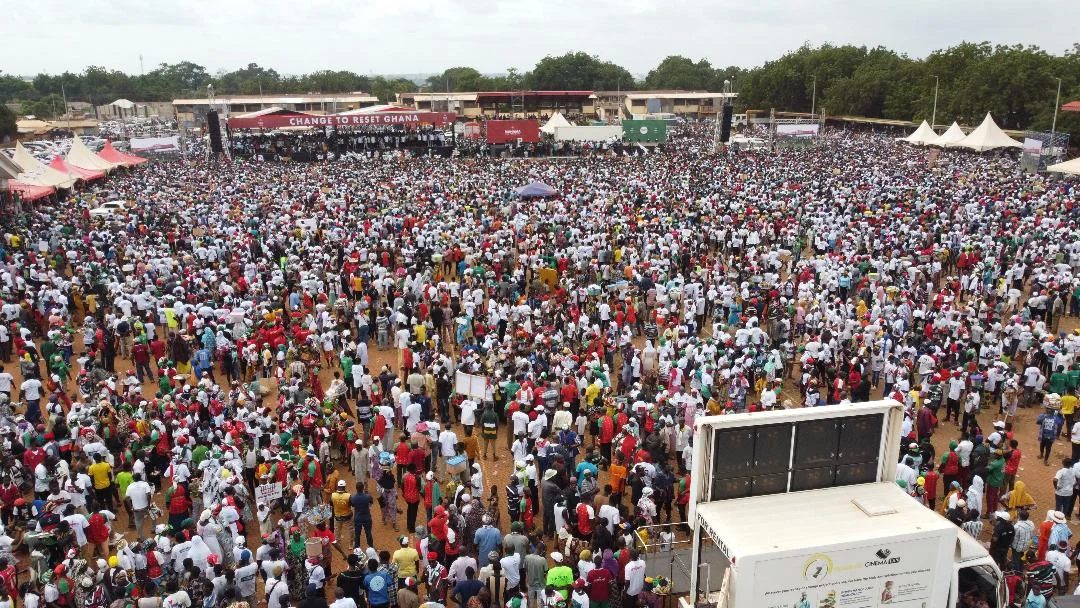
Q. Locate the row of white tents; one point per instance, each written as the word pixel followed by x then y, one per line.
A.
pixel 986 136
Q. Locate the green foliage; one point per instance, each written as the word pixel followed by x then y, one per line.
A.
pixel 7 123
pixel 578 71
pixel 46 108
pixel 678 72
pixel 386 90
pixel 458 79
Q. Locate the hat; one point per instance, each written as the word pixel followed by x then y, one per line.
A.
pixel 341 483
pixel 404 540
pixel 999 424
pixel 433 555
pixel 1002 515
pixel 1057 517
pixel 585 554
pixel 556 557
pixel 529 458
pixel 961 503
pixel 548 474
pixel 579 583
pixel 410 581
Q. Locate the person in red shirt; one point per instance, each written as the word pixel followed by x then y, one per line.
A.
pixel 585 516
pixel 599 581
pixel 930 486
pixel 1012 463
pixel 401 457
pixel 410 491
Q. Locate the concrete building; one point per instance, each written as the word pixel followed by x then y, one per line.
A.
pixel 600 104
pixel 626 104
pixel 311 103
pixel 492 104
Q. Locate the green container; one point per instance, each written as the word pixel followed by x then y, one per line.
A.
pixel 653 131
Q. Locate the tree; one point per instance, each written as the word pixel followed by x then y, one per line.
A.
pixel 678 72
pixel 13 88
pixel 512 81
pixel 8 128
pixel 46 108
pixel 387 90
pixel 459 79
pixel 251 80
pixel 578 71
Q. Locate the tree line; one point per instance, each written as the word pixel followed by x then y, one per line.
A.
pixel 1016 83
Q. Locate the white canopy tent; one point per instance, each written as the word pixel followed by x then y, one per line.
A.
pixel 951 135
pixel 82 157
pixel 922 136
pixel 986 136
pixel 556 120
pixel 1070 167
pixel 37 173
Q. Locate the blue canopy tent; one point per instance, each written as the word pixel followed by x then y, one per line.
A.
pixel 535 190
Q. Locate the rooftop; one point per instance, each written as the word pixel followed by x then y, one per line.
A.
pixel 281 99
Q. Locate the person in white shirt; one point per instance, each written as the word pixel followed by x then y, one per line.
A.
pixel 6 382
pixel 468 415
pixel 634 575
pixel 138 496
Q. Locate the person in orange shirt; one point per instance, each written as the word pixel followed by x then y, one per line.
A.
pixel 618 471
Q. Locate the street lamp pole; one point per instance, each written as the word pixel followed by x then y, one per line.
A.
pixel 813 97
pixel 1053 125
pixel 933 117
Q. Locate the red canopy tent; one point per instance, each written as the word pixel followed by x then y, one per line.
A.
pixel 1072 106
pixel 83 174
pixel 111 154
pixel 29 192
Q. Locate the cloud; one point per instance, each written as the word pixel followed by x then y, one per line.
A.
pixel 423 36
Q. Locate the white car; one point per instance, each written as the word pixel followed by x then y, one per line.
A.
pixel 109 209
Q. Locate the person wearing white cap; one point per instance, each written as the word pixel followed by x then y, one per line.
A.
pixel 339 501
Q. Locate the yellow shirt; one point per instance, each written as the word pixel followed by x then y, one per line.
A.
pixel 406 559
pixel 1068 404
pixel 340 500
pixel 591 392
pixel 99 473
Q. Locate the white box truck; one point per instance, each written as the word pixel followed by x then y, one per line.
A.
pixel 800 509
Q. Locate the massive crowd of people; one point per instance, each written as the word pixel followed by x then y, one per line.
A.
pixel 244 390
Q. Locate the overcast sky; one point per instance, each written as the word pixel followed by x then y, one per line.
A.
pixel 421 36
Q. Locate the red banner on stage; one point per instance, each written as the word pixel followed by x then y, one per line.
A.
pixel 277 121
pixel 506 131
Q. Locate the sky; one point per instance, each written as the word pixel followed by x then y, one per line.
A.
pixel 427 36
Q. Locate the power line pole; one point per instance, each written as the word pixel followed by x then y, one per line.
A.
pixel 933 117
pixel 813 98
pixel 1053 125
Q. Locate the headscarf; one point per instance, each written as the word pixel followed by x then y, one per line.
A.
pixel 1019 497
pixel 975 494
pixel 611 563
pixel 199 552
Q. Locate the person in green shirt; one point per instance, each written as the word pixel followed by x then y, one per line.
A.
pixel 199 454
pixel 560 576
pixel 995 480
pixel 124 479
pixel 1059 381
pixel 1074 377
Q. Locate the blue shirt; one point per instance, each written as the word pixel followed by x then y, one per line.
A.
pixel 487 539
pixel 377 584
